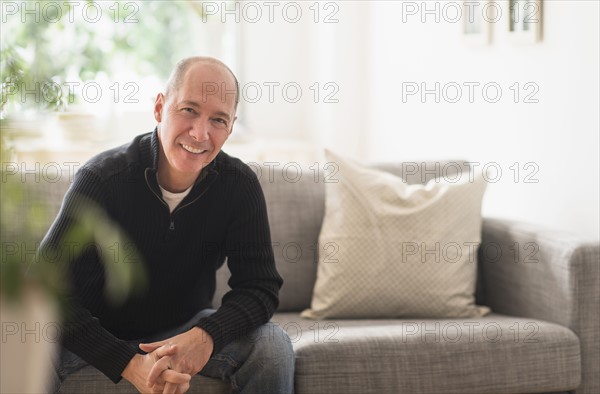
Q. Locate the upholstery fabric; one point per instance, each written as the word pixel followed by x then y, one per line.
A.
pixel 393 249
pixel 495 354
pixel 555 277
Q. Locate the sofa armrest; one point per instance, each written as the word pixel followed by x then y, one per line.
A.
pixel 547 275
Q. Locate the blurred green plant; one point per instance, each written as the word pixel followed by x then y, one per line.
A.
pixel 25 217
pixel 37 54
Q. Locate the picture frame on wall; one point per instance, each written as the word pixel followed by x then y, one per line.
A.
pixel 476 27
pixel 525 21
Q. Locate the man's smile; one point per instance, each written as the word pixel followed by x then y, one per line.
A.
pixel 192 149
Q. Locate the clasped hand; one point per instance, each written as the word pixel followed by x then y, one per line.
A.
pixel 170 363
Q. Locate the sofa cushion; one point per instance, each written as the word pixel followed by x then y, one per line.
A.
pixel 397 250
pixel 491 354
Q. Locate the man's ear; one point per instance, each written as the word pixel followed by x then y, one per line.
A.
pixel 158 107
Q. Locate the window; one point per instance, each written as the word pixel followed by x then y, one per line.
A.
pixel 95 67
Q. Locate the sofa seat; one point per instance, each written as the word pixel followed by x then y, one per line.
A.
pixel 493 354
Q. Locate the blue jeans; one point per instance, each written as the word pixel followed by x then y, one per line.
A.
pixel 259 362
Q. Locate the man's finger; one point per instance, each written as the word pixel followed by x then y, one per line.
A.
pixel 149 347
pixel 166 350
pixel 170 388
pixel 172 376
pixel 157 369
pixel 182 388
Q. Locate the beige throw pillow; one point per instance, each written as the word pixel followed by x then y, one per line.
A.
pixel 389 249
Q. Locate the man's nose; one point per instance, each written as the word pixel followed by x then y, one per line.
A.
pixel 200 130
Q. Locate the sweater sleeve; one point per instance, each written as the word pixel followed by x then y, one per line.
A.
pixel 254 281
pixel 82 333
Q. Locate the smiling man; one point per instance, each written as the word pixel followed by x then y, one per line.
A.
pixel 187 206
pixel 195 117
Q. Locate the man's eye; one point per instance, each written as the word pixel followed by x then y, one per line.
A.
pixel 220 121
pixel 188 109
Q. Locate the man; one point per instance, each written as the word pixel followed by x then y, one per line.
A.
pixel 187 206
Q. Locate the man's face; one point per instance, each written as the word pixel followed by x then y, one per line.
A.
pixel 195 121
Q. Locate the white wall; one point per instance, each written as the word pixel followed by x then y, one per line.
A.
pixel 308 52
pixel 559 134
pixel 370 52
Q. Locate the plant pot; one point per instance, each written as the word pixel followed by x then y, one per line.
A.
pixel 30 334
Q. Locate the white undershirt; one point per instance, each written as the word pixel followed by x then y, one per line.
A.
pixel 173 199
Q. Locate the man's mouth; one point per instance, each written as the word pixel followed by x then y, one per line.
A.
pixel 192 149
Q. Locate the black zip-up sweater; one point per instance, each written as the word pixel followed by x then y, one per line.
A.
pixel 224 215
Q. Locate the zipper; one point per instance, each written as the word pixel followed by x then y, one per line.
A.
pixel 179 207
pixel 172 224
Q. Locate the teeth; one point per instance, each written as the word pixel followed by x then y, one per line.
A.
pixel 192 150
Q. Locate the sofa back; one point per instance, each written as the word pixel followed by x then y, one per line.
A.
pixel 295 197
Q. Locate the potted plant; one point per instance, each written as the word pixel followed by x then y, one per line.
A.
pixel 33 285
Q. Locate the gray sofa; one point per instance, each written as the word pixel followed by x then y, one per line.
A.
pixel 543 335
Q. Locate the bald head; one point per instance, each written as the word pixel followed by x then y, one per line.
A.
pixel 181 68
